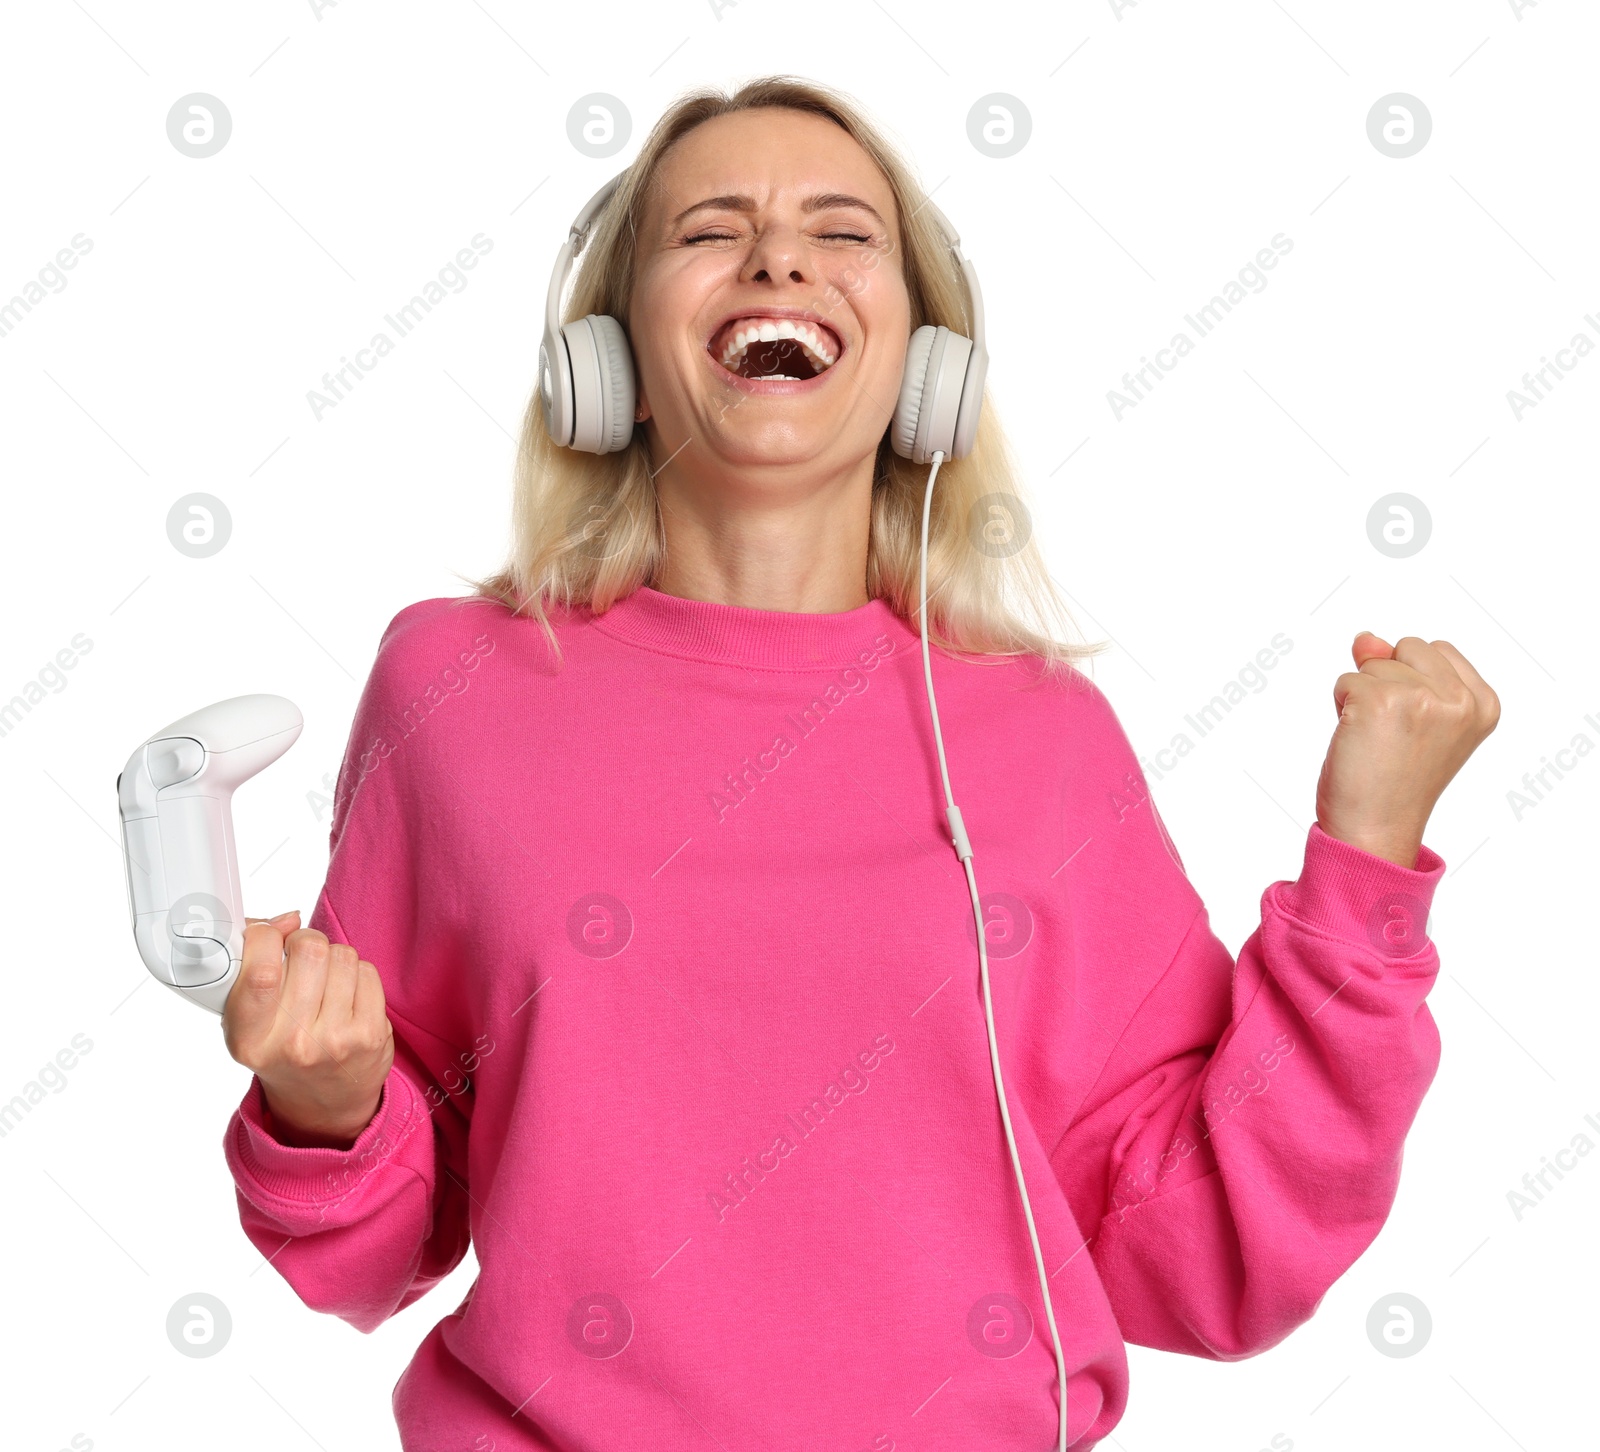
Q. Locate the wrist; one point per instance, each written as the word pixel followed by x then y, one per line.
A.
pixel 1393 845
pixel 300 1128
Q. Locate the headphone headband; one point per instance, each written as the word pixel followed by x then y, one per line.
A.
pixel 575 236
pixel 968 271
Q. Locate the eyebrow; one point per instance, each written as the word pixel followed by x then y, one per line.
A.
pixel 737 202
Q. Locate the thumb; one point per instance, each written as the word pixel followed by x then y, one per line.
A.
pixel 1367 646
pixel 251 1007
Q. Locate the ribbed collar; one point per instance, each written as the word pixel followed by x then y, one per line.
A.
pixel 737 635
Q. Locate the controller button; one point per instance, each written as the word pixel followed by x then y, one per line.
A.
pixel 175 759
pixel 198 961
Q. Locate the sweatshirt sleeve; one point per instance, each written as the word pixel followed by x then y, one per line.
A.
pixel 363 1232
pixel 1242 1144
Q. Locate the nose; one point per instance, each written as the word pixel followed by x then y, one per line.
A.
pixel 778 253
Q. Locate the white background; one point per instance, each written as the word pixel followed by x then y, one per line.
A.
pixel 1170 142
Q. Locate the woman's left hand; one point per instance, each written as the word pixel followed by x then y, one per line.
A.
pixel 1409 715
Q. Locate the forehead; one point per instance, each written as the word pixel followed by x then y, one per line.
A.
pixel 774 155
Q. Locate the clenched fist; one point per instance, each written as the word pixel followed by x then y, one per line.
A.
pixel 308 1016
pixel 1410 715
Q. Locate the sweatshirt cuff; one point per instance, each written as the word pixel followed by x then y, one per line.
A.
pixel 1356 895
pixel 312 1175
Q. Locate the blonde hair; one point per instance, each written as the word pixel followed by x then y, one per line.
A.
pixel 586 529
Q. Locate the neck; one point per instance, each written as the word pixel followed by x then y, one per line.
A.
pixel 767 542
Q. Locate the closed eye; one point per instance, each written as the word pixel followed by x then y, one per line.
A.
pixel 827 236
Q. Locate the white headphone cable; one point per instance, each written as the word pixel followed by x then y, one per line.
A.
pixel 963 847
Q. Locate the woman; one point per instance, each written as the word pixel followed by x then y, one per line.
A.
pixel 643 961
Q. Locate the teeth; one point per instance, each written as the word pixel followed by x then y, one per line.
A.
pixel 769 330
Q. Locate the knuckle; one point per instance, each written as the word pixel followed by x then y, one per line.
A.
pixel 301 1051
pixel 340 1044
pixel 341 955
pixel 260 977
pixel 307 945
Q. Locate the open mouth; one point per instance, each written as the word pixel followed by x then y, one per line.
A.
pixel 774 349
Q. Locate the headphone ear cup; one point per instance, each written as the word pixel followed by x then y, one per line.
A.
pixel 617 369
pixel 938 408
pixel 604 390
pixel 903 431
pixel 966 430
pixel 555 388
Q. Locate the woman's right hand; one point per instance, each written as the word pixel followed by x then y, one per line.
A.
pixel 311 1023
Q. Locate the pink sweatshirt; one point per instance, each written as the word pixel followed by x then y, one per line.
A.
pixel 690 1044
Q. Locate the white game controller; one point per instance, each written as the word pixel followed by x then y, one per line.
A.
pixel 176 800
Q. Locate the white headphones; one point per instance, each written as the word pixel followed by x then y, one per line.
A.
pixel 588 387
